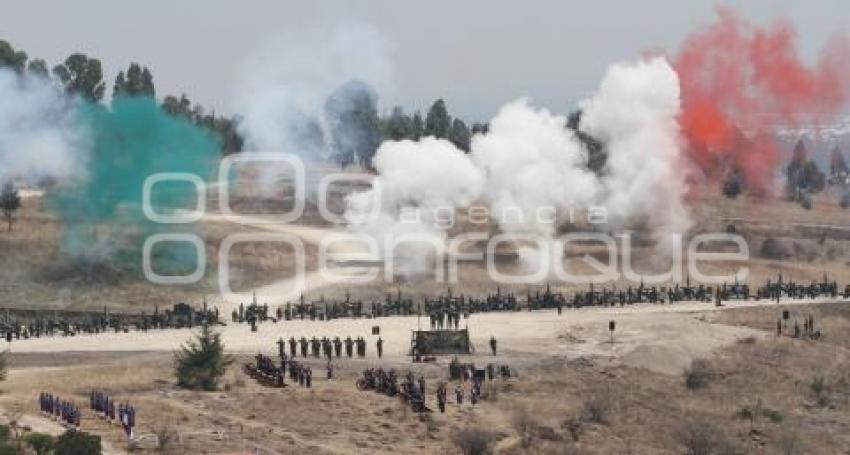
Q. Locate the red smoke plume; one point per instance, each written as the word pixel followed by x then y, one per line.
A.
pixel 739 80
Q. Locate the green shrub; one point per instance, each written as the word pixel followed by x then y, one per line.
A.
pixel 42 443
pixel 77 443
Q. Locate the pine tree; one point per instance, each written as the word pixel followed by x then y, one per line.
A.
pixel 417 127
pixel 437 122
pixel 459 135
pixel 201 362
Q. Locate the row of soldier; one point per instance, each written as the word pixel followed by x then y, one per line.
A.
pixel 445 311
pixel 779 289
pixel 101 404
pixel 63 410
pixel 35 324
pixel 326 347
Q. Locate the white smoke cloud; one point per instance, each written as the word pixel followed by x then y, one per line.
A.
pixel 635 113
pixel 416 183
pixel 283 86
pixel 533 171
pixel 39 135
pixel 532 163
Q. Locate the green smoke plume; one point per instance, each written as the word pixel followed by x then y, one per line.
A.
pixel 101 211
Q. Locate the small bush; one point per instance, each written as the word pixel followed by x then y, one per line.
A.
pixel 167 439
pixel 41 443
pixel 820 390
pixel 574 426
pixel 595 408
pixel 697 375
pixel 474 441
pixel 698 437
pixel 752 413
pixel 773 249
pixel 773 415
pixel 77 443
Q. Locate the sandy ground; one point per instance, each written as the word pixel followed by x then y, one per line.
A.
pixel 662 338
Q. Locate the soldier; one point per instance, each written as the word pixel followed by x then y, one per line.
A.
pixel 337 347
pixel 308 380
pixel 361 347
pixel 292 347
pixel 281 348
pixel 348 346
pixel 303 343
pixel 380 346
pixel 441 397
pixel 329 349
pixel 493 344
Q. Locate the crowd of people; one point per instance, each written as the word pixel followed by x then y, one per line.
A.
pixel 265 371
pixel 410 389
pixel 413 390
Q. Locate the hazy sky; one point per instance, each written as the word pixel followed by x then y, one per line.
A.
pixel 475 54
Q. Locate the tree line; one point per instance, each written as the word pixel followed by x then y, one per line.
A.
pixel 82 75
pixel 354 125
pixel 356 129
